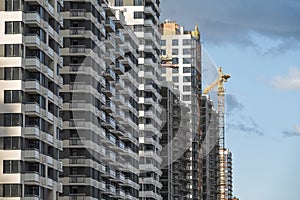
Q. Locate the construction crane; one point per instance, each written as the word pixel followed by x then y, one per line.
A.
pixel 221 112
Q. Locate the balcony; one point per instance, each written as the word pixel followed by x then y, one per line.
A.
pixel 120 84
pixel 120 38
pixel 80 31
pixel 119 99
pixel 120 53
pixel 109 173
pixel 109 74
pixel 77 160
pixel 120 115
pixel 32 132
pixel 78 87
pixel 32 109
pixel 32 17
pixel 32 85
pixel 119 68
pixel 109 42
pixel 109 90
pixel 32 177
pixel 74 13
pixel 33 63
pixel 77 49
pixel 110 123
pixel 109 107
pixel 110 25
pixel 109 57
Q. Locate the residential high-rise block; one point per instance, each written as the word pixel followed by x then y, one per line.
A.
pixel 225 186
pixel 175 143
pixel 143 18
pixel 30 124
pixel 100 112
pixel 209 152
pixel 181 52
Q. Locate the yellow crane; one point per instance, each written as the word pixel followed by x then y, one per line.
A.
pixel 221 112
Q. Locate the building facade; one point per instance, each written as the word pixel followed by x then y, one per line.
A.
pixel 100 111
pixel 143 18
pixel 225 185
pixel 209 152
pixel 175 143
pixel 30 104
pixel 181 50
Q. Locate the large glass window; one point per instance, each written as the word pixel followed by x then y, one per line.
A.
pixel 174 42
pixel 138 15
pixel 187 51
pixel 13 27
pixel 13 5
pixel 186 70
pixel 12 190
pixel 163 42
pixel 174 51
pixel 118 2
pixel 175 70
pixel 175 61
pixel 11 166
pixel 186 79
pixel 12 143
pixel 187 61
pixel 138 28
pixel 13 50
pixel 138 3
pixel 186 42
pixel 12 96
pixel 12 73
pixel 186 88
pixel 13 119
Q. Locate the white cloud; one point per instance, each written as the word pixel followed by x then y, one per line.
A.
pixel 291 81
pixel 293 133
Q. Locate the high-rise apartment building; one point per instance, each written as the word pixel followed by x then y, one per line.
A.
pixel 175 143
pixel 30 124
pixel 181 50
pixel 209 152
pixel 100 111
pixel 225 186
pixel 143 18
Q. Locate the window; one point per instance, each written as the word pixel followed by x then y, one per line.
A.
pixel 186 98
pixel 13 5
pixel 175 61
pixel 11 143
pixel 163 70
pixel 175 70
pixel 12 96
pixel 13 119
pixel 186 79
pixel 175 79
pixel 186 70
pixel 174 51
pixel 13 27
pixel 12 73
pixel 31 190
pixel 138 28
pixel 13 50
pixel 186 42
pixel 163 42
pixel 163 52
pixel 118 2
pixel 186 51
pixel 186 88
pixel 138 15
pixel 11 166
pixel 138 3
pixel 187 60
pixel 11 190
pixel 174 42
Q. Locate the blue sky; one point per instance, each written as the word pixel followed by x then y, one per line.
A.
pixel 258 43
